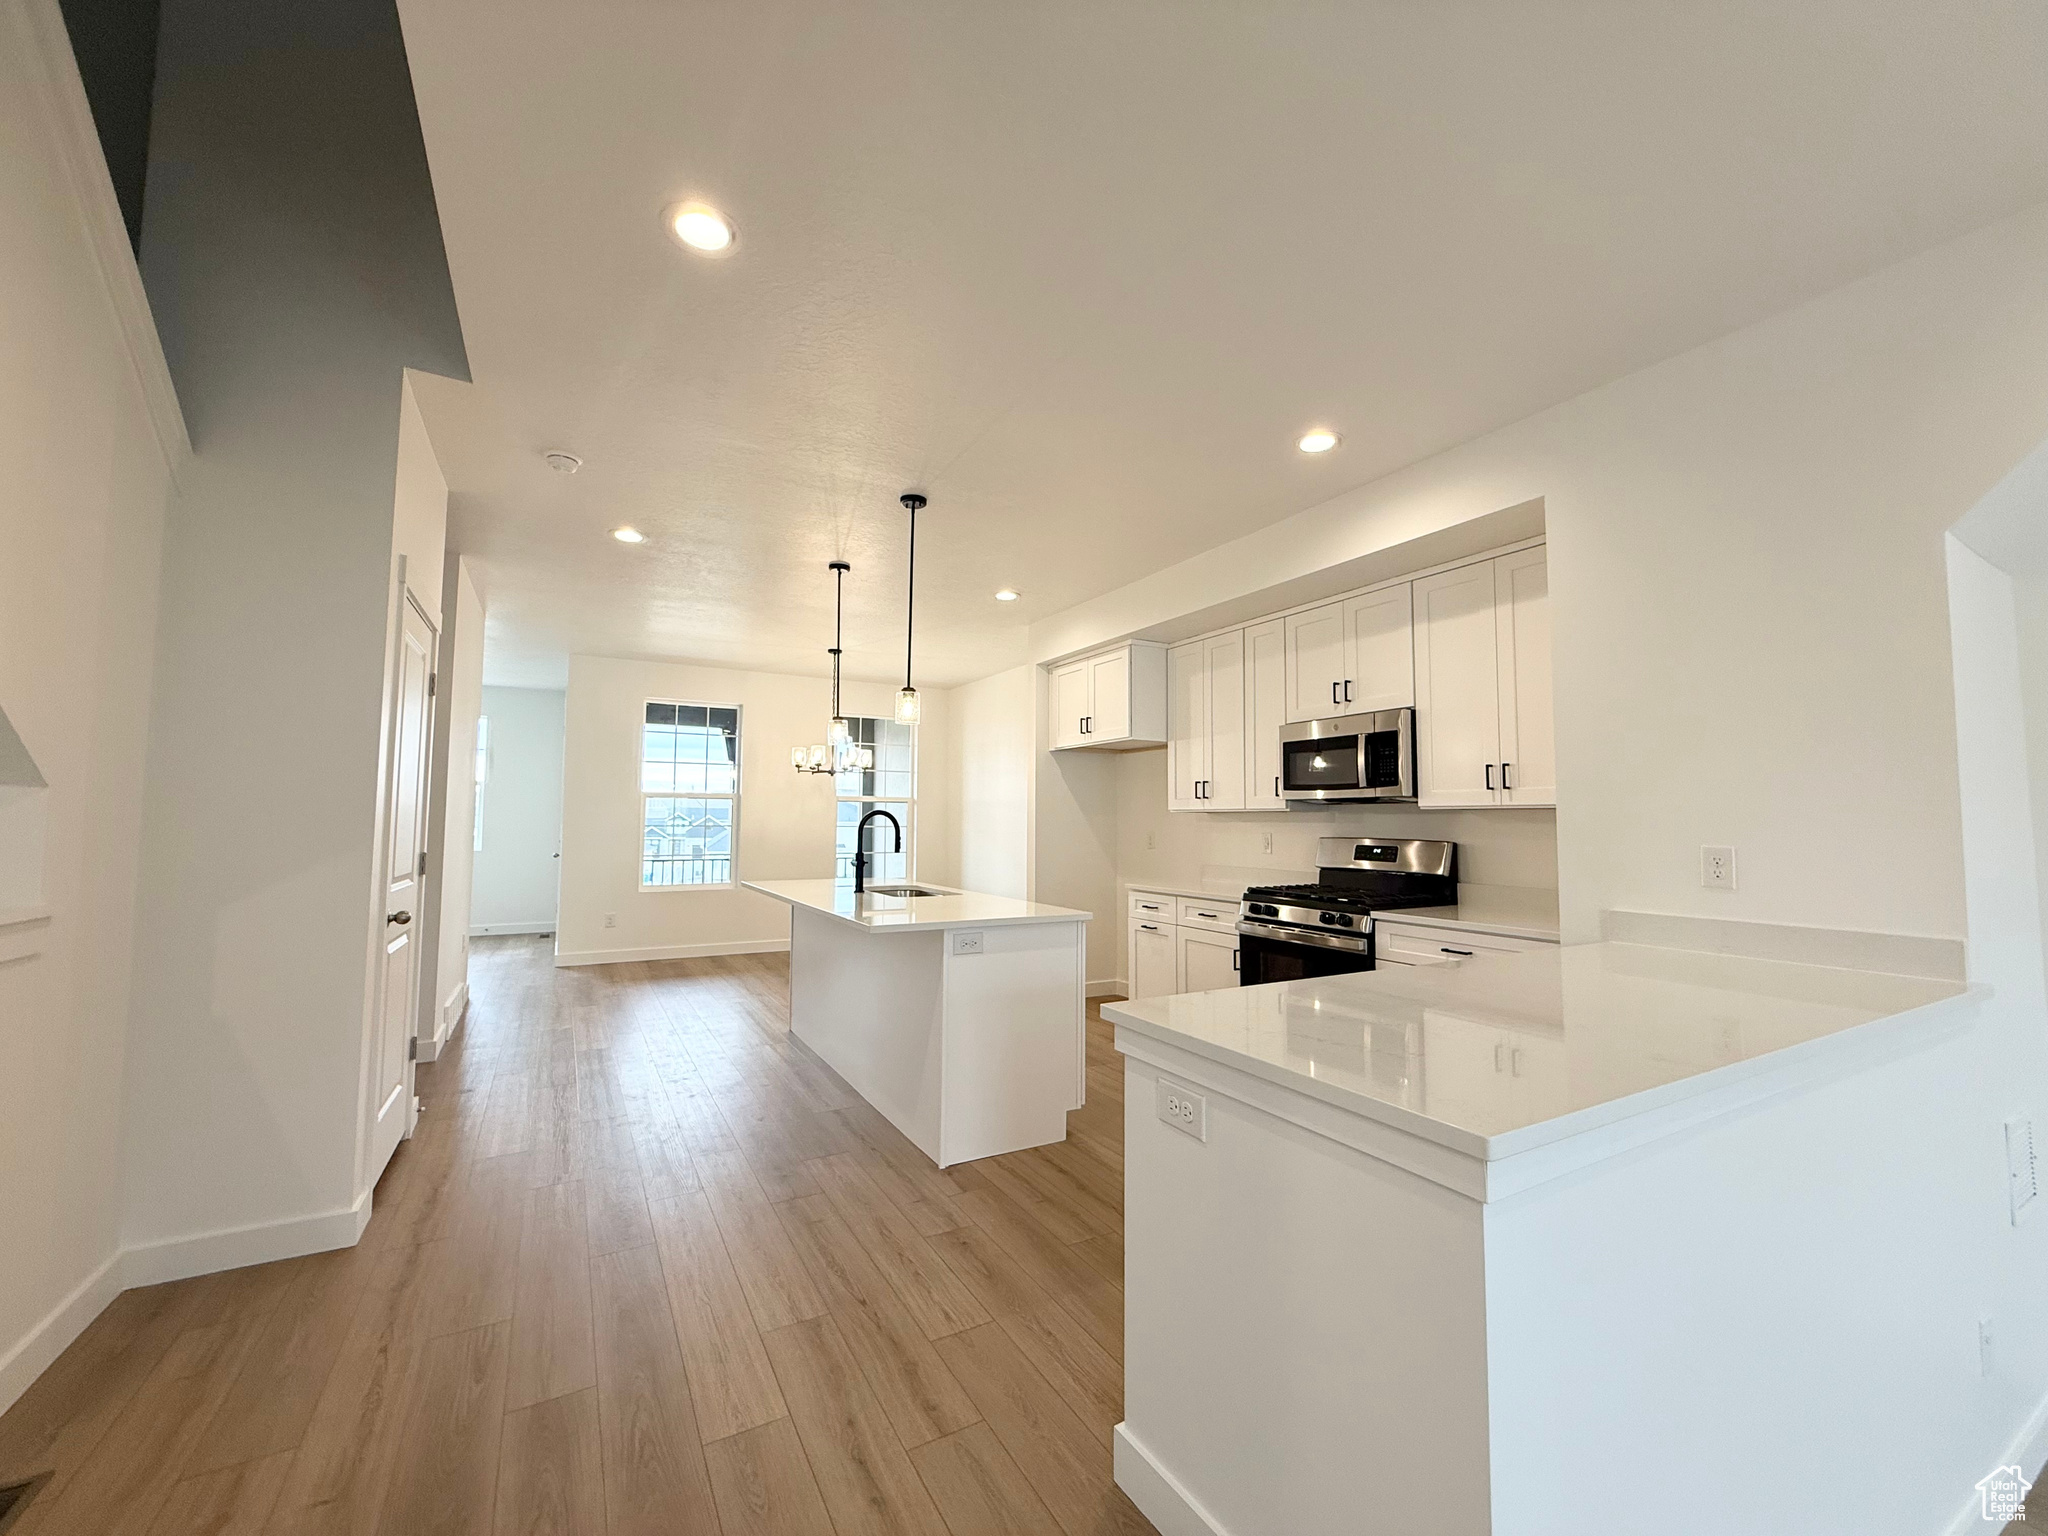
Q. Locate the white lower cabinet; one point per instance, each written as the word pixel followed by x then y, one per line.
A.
pixel 1155 958
pixel 1181 944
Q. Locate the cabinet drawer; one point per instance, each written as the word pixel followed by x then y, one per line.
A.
pixel 1152 906
pixel 1218 915
pixel 1401 944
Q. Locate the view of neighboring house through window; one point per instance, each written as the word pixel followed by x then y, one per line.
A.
pixel 689 794
pixel 483 773
pixel 891 785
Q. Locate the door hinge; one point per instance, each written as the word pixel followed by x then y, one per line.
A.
pixel 433 680
pixel 412 1049
pixel 423 862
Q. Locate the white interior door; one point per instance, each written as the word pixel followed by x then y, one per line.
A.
pixel 1223 689
pixel 1265 672
pixel 1457 688
pixel 1528 740
pixel 405 843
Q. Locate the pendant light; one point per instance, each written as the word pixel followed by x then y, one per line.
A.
pixel 909 708
pixel 839 754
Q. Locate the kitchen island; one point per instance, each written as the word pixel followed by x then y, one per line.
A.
pixel 959 1016
pixel 1609 1238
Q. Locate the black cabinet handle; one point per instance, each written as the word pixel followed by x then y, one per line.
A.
pixel 1504 767
pixel 1489 775
pixel 1449 951
pixel 1276 786
pixel 1333 694
pixel 1233 961
pixel 1347 690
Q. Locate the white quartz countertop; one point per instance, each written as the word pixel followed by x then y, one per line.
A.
pixel 903 914
pixel 1513 911
pixel 1213 891
pixel 1501 1054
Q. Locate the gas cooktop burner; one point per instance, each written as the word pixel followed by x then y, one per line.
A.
pixel 1343 897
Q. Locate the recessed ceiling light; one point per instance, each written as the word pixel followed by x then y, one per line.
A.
pixel 629 535
pixel 701 227
pixel 1008 595
pixel 1321 440
pixel 564 463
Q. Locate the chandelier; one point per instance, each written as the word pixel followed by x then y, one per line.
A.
pixel 839 753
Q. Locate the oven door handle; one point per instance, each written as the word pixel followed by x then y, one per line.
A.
pixel 1349 943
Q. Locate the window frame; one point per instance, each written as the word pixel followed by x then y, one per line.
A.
pixel 739 763
pixel 908 801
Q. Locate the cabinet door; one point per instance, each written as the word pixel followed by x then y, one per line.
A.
pixel 1187 727
pixel 1379 634
pixel 1208 961
pixel 1109 696
pixel 1528 741
pixel 1457 688
pixel 1155 959
pixel 1223 772
pixel 1265 711
pixel 1315 663
pixel 1069 704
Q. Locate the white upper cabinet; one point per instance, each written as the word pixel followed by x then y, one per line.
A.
pixel 1348 657
pixel 1206 726
pixel 1265 711
pixel 1482 685
pixel 1115 698
pixel 1528 739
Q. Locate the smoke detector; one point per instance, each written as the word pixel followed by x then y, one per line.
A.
pixel 564 463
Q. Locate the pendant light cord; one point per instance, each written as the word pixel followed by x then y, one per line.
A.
pixel 910 596
pixel 839 570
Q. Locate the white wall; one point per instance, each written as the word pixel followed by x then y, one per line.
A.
pixel 288 326
pixel 451 826
pixel 993 744
pixel 1753 648
pixel 81 523
pixel 785 818
pixel 513 880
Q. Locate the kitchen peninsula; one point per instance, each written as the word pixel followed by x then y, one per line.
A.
pixel 959 1016
pixel 1535 1243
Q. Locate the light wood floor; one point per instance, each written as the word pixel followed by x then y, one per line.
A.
pixel 647 1267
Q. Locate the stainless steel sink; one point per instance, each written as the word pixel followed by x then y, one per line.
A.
pixel 903 890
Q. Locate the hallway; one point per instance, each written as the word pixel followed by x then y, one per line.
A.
pixel 647 1266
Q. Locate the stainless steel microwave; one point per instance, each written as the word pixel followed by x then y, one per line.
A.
pixel 1350 757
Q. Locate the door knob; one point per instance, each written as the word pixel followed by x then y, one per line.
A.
pixel 401 918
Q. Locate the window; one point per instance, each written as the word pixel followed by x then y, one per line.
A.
pixel 891 785
pixel 483 774
pixel 689 795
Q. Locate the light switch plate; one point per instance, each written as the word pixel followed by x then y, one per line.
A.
pixel 1183 1109
pixel 966 941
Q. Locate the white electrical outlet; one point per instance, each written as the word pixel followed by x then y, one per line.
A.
pixel 966 941
pixel 1183 1109
pixel 2022 1170
pixel 1151 840
pixel 1983 1346
pixel 1717 868
pixel 1267 842
pixel 611 919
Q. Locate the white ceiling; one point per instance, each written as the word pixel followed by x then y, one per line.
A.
pixel 1083 271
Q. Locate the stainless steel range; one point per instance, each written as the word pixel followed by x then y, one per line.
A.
pixel 1286 932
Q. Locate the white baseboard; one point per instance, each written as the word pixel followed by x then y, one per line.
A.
pixel 489 930
pixel 670 952
pixel 2029 1449
pixel 445 1026
pixel 177 1258
pixel 30 1356
pixel 1157 1493
pixel 1112 986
